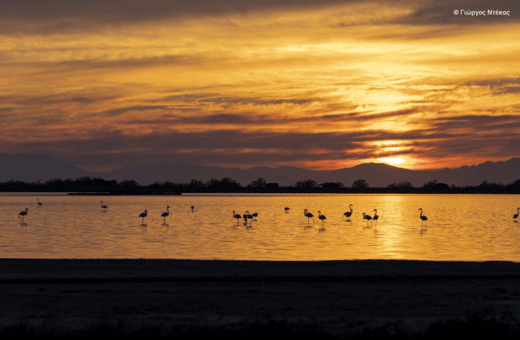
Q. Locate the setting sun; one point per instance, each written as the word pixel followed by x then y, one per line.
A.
pixel 392 160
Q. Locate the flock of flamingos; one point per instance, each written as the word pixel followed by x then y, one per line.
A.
pixel 247 216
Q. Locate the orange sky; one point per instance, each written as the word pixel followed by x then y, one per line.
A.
pixel 316 84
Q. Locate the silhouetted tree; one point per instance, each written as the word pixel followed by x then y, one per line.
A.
pixel 128 183
pixel 258 183
pixel 308 183
pixel 225 182
pixel 196 183
pixel 360 184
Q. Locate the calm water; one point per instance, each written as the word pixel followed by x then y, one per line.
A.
pixel 460 227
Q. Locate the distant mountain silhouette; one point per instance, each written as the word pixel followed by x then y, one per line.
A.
pixel 504 172
pixel 34 167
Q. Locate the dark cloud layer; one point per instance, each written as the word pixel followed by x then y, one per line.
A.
pixel 59 16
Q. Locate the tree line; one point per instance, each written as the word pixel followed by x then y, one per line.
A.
pixel 95 184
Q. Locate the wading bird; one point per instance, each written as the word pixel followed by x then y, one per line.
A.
pixel 308 215
pixel 255 215
pixel 376 216
pixel 423 218
pixel 287 209
pixel 22 214
pixel 39 203
pixel 192 207
pixel 367 217
pixel 165 214
pixel 348 213
pixel 237 216
pixel 516 215
pixel 143 215
pixel 103 206
pixel 321 217
pixel 248 215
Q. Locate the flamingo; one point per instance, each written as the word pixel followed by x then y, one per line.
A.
pixel 516 215
pixel 143 215
pixel 103 206
pixel 423 218
pixel 367 217
pixel 348 213
pixel 255 215
pixel 376 216
pixel 39 203
pixel 22 214
pixel 248 215
pixel 192 207
pixel 321 217
pixel 308 215
pixel 165 214
pixel 237 216
pixel 287 209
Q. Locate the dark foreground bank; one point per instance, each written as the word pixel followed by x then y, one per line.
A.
pixel 183 298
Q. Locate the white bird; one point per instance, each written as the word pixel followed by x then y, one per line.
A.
pixel 423 218
pixel 287 209
pixel 143 215
pixel 321 217
pixel 348 213
pixel 237 216
pixel 308 215
pixel 165 214
pixel 367 217
pixel 39 203
pixel 22 214
pixel 103 206
pixel 516 215
pixel 376 216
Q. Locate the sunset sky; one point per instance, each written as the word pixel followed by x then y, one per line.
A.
pixel 316 84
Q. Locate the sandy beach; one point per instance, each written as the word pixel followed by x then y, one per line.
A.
pixel 337 295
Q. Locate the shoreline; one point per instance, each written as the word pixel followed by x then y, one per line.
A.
pixel 212 293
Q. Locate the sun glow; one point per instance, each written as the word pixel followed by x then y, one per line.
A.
pixel 392 160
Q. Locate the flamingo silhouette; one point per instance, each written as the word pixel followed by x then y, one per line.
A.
pixel 165 214
pixel 237 216
pixel 255 215
pixel 516 215
pixel 39 203
pixel 321 217
pixel 376 216
pixel 192 207
pixel 143 215
pixel 367 217
pixel 308 215
pixel 287 209
pixel 423 218
pixel 348 213
pixel 22 214
pixel 103 206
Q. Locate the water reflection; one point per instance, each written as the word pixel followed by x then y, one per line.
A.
pixel 70 227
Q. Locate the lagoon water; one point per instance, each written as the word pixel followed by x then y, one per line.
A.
pixel 460 227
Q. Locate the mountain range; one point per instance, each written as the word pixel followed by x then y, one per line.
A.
pixel 38 167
